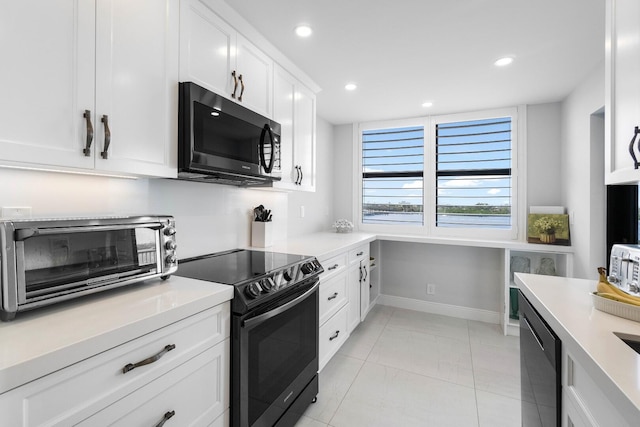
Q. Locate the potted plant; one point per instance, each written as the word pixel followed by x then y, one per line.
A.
pixel 547 227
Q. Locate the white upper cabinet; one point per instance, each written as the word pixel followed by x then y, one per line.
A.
pixel 294 107
pixel 622 111
pixel 47 81
pixel 116 60
pixel 215 56
pixel 137 86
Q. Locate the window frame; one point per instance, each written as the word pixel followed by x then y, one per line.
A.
pixel 429 229
pixel 387 228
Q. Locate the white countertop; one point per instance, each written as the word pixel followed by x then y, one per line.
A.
pixel 321 245
pixel 587 333
pixel 42 341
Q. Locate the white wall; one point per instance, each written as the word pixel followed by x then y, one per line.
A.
pixel 209 217
pixel 544 185
pixel 343 164
pixel 465 276
pixel 582 172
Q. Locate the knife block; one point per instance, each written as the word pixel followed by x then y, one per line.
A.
pixel 261 234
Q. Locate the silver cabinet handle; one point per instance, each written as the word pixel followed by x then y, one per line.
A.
pixel 166 417
pixel 154 358
pixel 235 84
pixel 107 137
pixel 87 147
pixel 241 87
pixel 636 164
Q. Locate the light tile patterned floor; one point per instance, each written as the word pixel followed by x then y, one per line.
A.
pixel 407 368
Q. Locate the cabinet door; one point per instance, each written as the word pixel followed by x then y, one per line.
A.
pixel 137 86
pixel 207 48
pixel 365 291
pixel 623 89
pixel 353 284
pixel 283 92
pixel 46 81
pixel 256 69
pixel 305 136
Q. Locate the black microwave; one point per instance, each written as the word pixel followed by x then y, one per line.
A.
pixel 222 142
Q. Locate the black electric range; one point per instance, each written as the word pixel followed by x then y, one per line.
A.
pixel 274 331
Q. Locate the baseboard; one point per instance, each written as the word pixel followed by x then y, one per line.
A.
pixel 439 308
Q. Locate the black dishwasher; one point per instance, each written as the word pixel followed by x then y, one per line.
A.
pixel 539 369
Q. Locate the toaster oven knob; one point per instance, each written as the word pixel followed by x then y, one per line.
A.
pixel 252 290
pixel 171 259
pixel 169 231
pixel 170 245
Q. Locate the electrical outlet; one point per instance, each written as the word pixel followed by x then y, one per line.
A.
pixel 16 212
pixel 431 289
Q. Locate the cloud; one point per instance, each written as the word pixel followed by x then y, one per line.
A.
pixel 461 183
pixel 414 184
pixel 368 169
pixel 494 191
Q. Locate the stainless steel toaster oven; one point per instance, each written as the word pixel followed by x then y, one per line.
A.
pixel 624 268
pixel 50 260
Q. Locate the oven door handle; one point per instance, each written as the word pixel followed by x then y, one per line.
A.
pixel 25 233
pixel 269 314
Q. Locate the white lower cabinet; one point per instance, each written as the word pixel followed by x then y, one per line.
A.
pixel 344 298
pixel 332 335
pixel 359 280
pixel 186 371
pixel 584 403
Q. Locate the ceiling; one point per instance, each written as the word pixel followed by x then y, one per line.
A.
pixel 403 53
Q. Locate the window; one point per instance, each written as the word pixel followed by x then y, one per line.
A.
pixel 454 177
pixel 473 173
pixel 392 176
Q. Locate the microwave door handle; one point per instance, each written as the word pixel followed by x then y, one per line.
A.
pixel 267 168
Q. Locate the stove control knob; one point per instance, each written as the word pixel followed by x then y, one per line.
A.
pixel 170 245
pixel 308 268
pixel 267 284
pixel 252 290
pixel 288 275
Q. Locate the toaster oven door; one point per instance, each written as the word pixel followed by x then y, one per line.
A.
pixel 58 261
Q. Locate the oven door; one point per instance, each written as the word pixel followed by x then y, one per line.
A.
pixel 57 261
pixel 275 357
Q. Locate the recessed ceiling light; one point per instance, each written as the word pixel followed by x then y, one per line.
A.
pixel 303 30
pixel 503 61
pixel 350 86
pixel 427 104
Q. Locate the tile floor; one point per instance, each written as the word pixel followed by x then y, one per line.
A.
pixel 407 368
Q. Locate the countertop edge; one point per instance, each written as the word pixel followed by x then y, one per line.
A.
pixel 25 365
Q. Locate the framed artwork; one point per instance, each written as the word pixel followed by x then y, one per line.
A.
pixel 548 229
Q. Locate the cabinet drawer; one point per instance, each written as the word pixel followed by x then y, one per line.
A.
pixel 332 335
pixel 196 393
pixel 70 395
pixel 334 265
pixel 358 254
pixel 333 296
pixel 587 397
